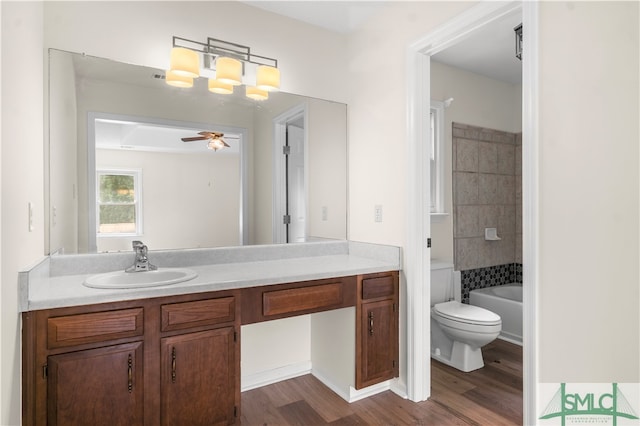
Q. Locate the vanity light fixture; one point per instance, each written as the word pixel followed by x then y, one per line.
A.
pixel 216 86
pixel 518 31
pixel 178 80
pixel 229 71
pixel 230 62
pixel 256 93
pixel 184 62
pixel 267 78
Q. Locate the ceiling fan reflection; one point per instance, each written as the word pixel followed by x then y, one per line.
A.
pixel 215 140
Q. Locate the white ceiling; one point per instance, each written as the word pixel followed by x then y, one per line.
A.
pixel 133 136
pixel 337 16
pixel 489 51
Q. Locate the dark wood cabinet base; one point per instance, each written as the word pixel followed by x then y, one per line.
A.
pixel 176 360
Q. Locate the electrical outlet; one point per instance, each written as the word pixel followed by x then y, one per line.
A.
pixel 325 213
pixel 377 213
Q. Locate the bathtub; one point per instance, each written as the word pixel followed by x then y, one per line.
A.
pixel 506 301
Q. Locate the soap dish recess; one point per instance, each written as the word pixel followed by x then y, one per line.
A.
pixel 491 234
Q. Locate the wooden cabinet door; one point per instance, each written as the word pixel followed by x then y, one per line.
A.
pixel 198 378
pixel 96 387
pixel 379 342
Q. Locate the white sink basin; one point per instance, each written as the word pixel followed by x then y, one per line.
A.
pixel 122 279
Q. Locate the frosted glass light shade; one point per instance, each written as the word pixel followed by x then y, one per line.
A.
pixel 257 94
pixel 215 144
pixel 229 71
pixel 216 86
pixel 267 78
pixel 173 79
pixel 185 62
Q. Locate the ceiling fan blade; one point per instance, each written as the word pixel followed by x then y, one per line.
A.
pixel 225 144
pixel 197 138
pixel 210 134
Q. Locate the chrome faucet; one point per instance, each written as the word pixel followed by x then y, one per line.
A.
pixel 141 263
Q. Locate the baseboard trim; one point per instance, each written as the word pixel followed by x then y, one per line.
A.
pixel 342 393
pixel 399 388
pixel 358 394
pixel 264 378
pixel 275 375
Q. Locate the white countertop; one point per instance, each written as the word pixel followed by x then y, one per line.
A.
pixel 39 290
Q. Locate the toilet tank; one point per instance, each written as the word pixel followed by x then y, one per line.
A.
pixel 441 281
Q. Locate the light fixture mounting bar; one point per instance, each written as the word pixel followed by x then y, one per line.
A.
pixel 189 44
pixel 216 47
pixel 242 52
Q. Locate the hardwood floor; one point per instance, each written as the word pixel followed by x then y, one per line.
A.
pixel 489 396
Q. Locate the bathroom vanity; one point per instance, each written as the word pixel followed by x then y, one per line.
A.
pixel 171 354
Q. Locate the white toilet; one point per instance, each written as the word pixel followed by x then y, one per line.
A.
pixel 458 331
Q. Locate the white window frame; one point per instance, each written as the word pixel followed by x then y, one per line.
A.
pixel 137 188
pixel 436 110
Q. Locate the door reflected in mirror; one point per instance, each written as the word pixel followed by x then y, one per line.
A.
pixel 123 121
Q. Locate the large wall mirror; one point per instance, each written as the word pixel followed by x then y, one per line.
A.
pixel 119 170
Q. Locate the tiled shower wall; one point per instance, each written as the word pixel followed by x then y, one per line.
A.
pixel 487 182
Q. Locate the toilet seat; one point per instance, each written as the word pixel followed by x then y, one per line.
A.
pixel 468 314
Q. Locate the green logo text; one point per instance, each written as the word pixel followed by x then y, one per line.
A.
pixel 587 404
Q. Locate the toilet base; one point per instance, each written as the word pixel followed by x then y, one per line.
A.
pixel 463 357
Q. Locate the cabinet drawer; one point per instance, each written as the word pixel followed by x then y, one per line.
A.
pixel 79 329
pixel 302 299
pixel 373 288
pixel 178 316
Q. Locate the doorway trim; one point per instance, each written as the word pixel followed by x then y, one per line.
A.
pixel 417 253
pixel 279 183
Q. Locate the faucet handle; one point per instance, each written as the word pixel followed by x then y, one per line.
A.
pixel 137 245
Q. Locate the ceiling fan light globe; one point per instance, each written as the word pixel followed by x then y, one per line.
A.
pixel 215 144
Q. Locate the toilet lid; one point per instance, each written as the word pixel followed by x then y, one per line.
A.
pixel 467 313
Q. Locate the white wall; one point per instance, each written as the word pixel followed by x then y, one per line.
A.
pixel 268 346
pixel 589 327
pixel 588 147
pixel 478 101
pixel 141 33
pixel 377 116
pixel 378 158
pixel 63 188
pixel 127 99
pixel 588 309
pixel 327 137
pixel 196 205
pixel 21 177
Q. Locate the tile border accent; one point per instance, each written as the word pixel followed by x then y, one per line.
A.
pixel 491 276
